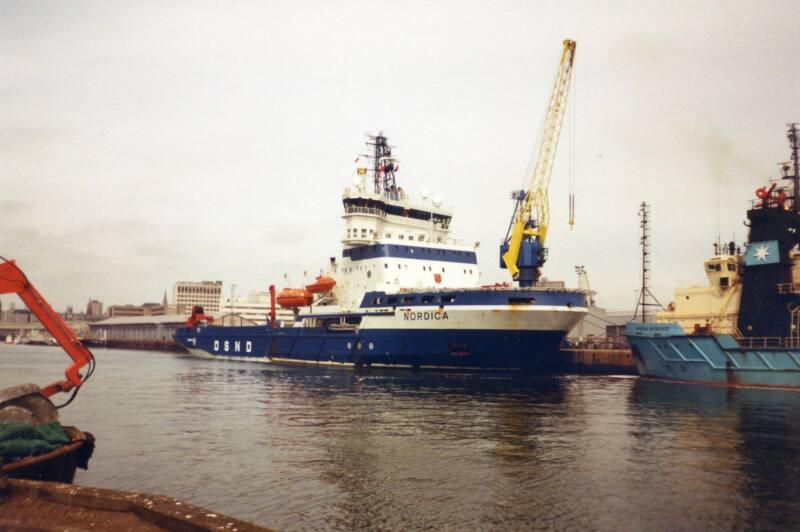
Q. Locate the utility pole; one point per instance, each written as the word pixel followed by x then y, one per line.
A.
pixel 233 305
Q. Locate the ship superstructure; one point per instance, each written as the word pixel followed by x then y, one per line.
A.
pixel 392 242
pixel 716 305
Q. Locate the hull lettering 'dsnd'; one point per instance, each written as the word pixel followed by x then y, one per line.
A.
pixel 403 293
pixel 228 345
pixel 743 329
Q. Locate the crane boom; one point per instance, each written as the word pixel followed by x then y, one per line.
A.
pixel 13 281
pixel 523 251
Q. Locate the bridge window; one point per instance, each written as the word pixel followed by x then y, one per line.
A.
pixel 377 301
pixel 408 299
pixel 392 300
pixel 427 299
pixel 448 298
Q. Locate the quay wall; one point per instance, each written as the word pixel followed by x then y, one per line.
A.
pixel 601 361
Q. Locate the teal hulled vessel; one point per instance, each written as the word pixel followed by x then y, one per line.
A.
pixel 744 329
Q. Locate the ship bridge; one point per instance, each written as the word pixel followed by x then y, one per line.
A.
pixel 392 243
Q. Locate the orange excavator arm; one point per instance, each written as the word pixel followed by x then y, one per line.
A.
pixel 13 281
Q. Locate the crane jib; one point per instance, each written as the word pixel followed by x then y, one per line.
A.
pixel 523 252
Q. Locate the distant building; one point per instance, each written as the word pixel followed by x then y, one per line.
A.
pixel 137 331
pixel 125 310
pixel 255 308
pixel 206 294
pixel 148 309
pixel 233 320
pixel 94 308
pixel 544 282
pixel 18 316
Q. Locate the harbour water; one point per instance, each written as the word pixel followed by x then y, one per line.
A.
pixel 306 448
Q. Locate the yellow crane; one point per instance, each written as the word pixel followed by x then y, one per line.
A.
pixel 523 252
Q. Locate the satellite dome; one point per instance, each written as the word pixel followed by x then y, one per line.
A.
pixel 437 200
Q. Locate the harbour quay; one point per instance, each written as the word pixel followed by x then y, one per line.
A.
pixel 136 332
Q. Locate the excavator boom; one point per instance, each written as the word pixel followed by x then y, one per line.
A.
pixel 13 281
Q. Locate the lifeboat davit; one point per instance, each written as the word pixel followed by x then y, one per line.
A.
pixel 322 284
pixel 294 297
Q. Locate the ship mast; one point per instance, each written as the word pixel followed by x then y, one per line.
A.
pixel 645 294
pixel 792 135
pixel 384 166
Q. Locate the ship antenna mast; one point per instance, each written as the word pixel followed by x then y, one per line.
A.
pixel 384 166
pixel 645 294
pixel 793 142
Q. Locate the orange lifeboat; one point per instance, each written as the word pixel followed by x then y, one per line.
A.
pixel 322 284
pixel 294 297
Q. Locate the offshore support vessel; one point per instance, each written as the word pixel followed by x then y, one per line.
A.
pixel 744 328
pixel 406 294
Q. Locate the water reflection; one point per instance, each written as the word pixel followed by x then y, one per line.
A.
pixel 738 449
pixel 308 448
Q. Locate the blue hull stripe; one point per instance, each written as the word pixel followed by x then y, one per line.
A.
pixel 418 347
pixel 401 251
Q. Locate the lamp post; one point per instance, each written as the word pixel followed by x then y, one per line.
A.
pixel 233 305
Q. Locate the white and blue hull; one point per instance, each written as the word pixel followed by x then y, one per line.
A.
pixel 468 335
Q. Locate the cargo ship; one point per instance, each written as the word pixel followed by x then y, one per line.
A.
pixel 404 293
pixel 743 329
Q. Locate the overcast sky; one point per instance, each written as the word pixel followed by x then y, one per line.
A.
pixel 142 143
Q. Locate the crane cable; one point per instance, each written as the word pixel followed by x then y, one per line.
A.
pixel 573 99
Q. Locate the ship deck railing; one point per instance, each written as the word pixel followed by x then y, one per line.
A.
pixel 788 288
pixel 769 342
pixel 350 209
pixel 486 288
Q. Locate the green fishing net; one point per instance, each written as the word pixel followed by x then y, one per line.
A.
pixel 18 440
